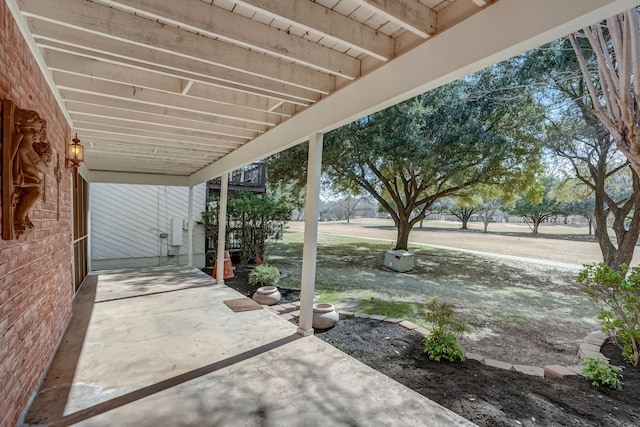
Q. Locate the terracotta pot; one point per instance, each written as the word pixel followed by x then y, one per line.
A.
pixel 325 316
pixel 267 295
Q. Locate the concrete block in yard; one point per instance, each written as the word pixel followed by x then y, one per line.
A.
pixel 346 314
pixel 408 325
pixel 295 314
pixel 393 320
pixel 558 371
pixel 475 356
pixel 529 370
pixel 361 316
pixel 498 364
pixel 296 304
pixel 377 317
pixel 398 260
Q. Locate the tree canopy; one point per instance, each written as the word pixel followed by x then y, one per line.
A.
pixel 439 144
pixel 576 135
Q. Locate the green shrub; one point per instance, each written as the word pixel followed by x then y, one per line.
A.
pixel 616 293
pixel 601 373
pixel 442 342
pixel 264 274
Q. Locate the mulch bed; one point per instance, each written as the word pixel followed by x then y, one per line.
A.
pixel 241 284
pixel 484 395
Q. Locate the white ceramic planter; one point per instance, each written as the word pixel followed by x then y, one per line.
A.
pixel 267 295
pixel 325 316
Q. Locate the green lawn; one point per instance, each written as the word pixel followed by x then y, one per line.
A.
pixel 482 290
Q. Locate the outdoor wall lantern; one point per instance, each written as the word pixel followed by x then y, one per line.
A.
pixel 75 156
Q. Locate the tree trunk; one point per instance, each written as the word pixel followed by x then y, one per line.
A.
pixel 404 228
pixel 536 223
pixel 590 222
pixel 628 240
pixel 602 236
pixel 465 221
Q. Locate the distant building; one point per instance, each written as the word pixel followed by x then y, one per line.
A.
pixel 251 178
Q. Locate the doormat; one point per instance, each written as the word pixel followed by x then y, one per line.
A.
pixel 242 304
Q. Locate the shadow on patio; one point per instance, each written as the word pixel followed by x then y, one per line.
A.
pixel 156 347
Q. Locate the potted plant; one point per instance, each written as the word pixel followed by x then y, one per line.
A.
pixel 263 275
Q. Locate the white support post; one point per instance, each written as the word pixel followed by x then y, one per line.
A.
pixel 88 227
pixel 222 227
pixel 190 228
pixel 310 247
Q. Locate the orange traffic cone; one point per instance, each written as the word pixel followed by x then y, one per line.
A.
pixel 228 267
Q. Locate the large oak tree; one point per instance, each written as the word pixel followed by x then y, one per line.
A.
pixel 439 144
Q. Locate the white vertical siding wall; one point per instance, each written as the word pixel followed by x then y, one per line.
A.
pixel 127 222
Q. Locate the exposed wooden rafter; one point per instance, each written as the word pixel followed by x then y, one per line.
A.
pixel 192 89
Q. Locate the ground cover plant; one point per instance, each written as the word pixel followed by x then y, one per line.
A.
pixel 601 373
pixel 445 331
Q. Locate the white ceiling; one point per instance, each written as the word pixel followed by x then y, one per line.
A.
pixel 178 92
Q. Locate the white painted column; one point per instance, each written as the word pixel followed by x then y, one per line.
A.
pixel 310 248
pixel 222 227
pixel 190 228
pixel 88 227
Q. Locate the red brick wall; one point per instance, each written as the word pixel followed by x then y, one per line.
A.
pixel 35 272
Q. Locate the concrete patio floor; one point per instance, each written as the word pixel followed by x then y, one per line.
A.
pixel 158 347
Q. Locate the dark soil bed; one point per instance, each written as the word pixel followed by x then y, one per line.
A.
pixel 484 395
pixel 241 284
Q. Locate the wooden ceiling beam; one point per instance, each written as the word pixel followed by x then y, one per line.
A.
pixel 216 22
pixel 165 120
pixel 410 14
pixel 73 64
pixel 159 110
pixel 76 83
pixel 315 18
pixel 80 16
pixel 92 136
pixel 81 126
pixel 54 37
pixel 153 127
